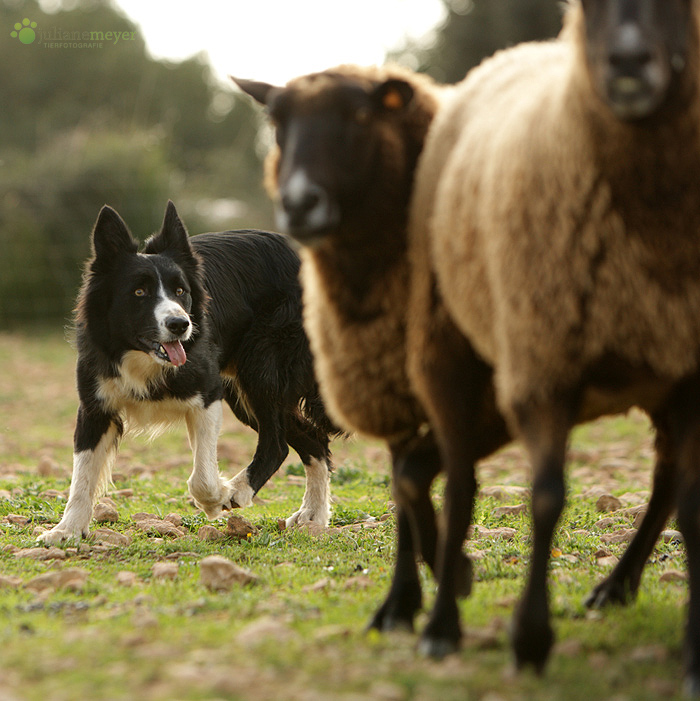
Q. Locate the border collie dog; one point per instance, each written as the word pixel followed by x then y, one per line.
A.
pixel 167 334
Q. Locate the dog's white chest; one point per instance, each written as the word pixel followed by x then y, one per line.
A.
pixel 131 395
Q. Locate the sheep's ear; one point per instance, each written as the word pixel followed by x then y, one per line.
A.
pixel 257 90
pixel 173 237
pixel 111 237
pixel 393 95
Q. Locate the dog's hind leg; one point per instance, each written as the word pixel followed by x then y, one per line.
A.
pixel 312 447
pixel 269 455
pixel 211 493
pixel 95 448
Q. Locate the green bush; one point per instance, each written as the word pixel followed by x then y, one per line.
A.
pixel 50 204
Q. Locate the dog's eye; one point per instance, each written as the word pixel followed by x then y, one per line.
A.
pixel 140 292
pixel 179 291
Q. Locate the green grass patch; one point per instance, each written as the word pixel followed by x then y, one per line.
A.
pixel 299 631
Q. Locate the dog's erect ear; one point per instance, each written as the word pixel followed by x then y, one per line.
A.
pixel 172 238
pixel 257 90
pixel 111 237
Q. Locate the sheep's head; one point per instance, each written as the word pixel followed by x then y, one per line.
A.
pixel 337 135
pixel 636 50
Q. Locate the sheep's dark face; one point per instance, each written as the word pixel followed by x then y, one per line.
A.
pixel 331 134
pixel 636 49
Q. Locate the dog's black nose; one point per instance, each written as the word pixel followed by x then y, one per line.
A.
pixel 177 324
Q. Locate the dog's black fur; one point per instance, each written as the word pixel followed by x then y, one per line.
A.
pixel 168 333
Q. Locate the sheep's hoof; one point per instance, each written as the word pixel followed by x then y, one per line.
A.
pixel 394 615
pixel 437 648
pixel 532 647
pixel 609 592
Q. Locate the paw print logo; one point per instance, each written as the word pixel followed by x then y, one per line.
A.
pixel 24 31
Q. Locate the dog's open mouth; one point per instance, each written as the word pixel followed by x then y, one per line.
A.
pixel 171 352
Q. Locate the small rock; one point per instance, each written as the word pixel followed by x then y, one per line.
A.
pixel 127 578
pixel 124 493
pixel 17 519
pixel 42 553
pixel 505 533
pixel 674 576
pixel 105 536
pixel 175 519
pixel 282 524
pixel 649 653
pixel 5 495
pixel 52 494
pixel 104 513
pixel 210 533
pixel 624 535
pixel 239 527
pixel 360 581
pixel 165 570
pixel 503 493
pixel 607 561
pixel 607 502
pixel 220 574
pixel 510 510
pixel 320 585
pixel 9 582
pixel 604 523
pixel 47 466
pixel 267 628
pixel 144 516
pixel 671 536
pixel 73 579
pixel 159 526
pixel 639 517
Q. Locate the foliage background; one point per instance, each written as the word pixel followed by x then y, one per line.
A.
pixel 80 128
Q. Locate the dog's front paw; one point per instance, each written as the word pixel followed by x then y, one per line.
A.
pixel 62 534
pixel 231 494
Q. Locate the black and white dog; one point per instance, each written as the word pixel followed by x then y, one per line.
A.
pixel 170 332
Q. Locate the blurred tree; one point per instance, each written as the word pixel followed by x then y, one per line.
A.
pixel 474 29
pixel 80 127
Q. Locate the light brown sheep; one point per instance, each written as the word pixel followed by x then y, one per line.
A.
pixel 556 202
pixel 341 174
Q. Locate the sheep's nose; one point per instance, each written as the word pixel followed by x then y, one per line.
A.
pixel 630 53
pixel 305 208
pixel 299 205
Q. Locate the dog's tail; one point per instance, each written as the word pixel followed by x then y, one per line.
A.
pixel 314 411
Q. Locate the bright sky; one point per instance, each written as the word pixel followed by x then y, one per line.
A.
pixel 275 40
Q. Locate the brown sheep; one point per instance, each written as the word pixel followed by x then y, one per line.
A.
pixel 348 140
pixel 556 202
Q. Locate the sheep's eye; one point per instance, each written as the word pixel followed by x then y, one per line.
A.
pixel 180 291
pixel 140 292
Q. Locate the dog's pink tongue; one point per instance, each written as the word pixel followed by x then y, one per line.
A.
pixel 176 353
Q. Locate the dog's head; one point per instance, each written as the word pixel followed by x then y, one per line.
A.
pixel 151 301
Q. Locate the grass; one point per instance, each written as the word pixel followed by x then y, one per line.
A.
pixel 298 633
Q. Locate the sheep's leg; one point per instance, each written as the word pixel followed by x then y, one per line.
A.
pixel 415 466
pixel 622 583
pixel 544 430
pixel 685 427
pixel 404 598
pixel 452 384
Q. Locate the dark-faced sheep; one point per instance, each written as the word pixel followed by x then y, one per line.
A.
pixel 348 140
pixel 557 199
